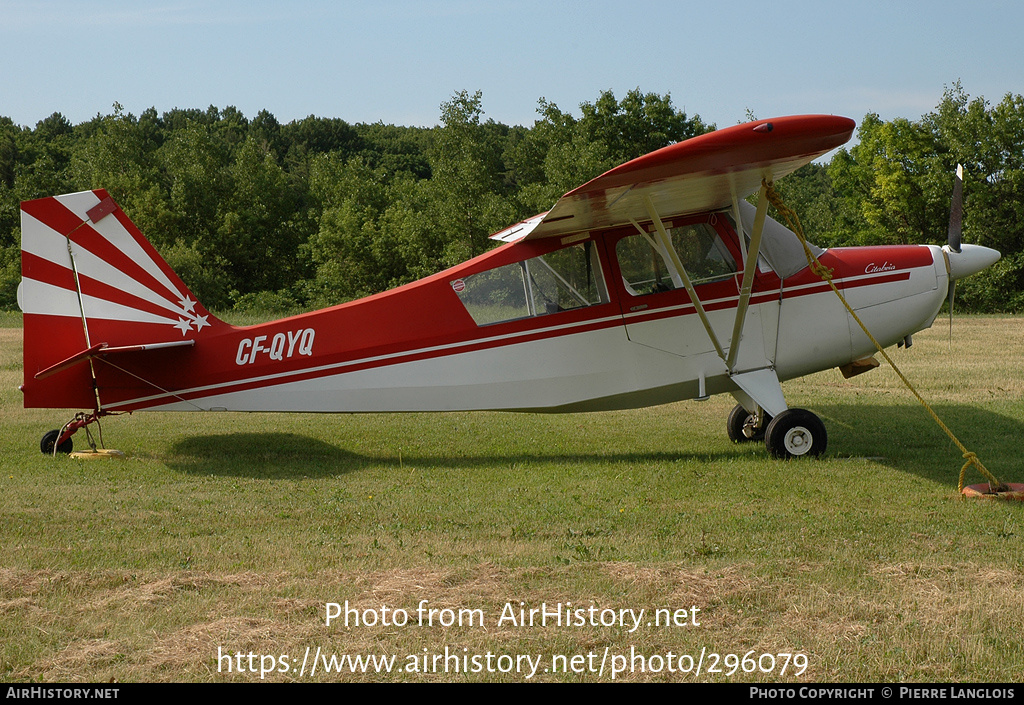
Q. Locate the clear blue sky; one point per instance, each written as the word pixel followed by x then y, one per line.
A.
pixel 396 61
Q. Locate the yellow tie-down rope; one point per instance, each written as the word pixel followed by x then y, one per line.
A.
pixel 826 275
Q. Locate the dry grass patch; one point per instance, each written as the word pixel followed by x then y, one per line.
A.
pixel 80 661
pixel 136 596
pixel 893 611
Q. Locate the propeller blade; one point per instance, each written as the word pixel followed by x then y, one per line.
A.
pixel 953 237
pixel 956 215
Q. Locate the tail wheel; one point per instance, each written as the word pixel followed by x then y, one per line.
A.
pixel 50 438
pixel 795 433
pixel 741 423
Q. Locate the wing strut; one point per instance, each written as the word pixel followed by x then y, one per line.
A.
pixel 757 388
pixel 666 244
pixel 748 274
pixel 738 220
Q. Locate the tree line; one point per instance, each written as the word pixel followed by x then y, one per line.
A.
pixel 255 214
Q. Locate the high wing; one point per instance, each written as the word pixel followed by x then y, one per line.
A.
pixel 705 173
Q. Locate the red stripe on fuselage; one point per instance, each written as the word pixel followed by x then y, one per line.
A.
pixel 369 361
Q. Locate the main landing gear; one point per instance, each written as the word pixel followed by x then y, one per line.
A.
pixel 795 433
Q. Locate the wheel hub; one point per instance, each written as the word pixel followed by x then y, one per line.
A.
pixel 798 440
pixel 750 426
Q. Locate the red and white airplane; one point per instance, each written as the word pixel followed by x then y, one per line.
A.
pixel 653 283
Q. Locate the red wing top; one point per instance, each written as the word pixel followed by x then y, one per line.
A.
pixel 698 175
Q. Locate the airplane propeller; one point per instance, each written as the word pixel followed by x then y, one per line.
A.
pixel 956 224
pixel 962 260
pixel 956 211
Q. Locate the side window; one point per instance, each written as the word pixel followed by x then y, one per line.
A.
pixel 562 280
pixel 647 269
pixel 702 252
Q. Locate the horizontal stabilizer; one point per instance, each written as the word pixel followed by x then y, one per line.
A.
pixel 105 349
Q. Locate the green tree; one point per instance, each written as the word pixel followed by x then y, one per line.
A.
pixel 888 174
pixel 44 159
pixel 810 193
pixel 266 130
pixel 352 197
pixel 320 211
pixel 467 204
pixel 10 136
pixel 120 155
pixel 260 227
pixel 895 186
pixel 638 124
pixel 563 152
pixel 9 153
pixel 395 149
pixel 199 182
pixel 306 138
pixel 989 141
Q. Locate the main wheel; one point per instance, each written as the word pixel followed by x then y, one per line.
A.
pixel 46 445
pixel 741 420
pixel 795 433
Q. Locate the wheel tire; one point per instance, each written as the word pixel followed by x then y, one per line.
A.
pixel 795 433
pixel 46 445
pixel 738 418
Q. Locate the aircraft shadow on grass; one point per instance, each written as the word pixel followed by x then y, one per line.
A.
pixel 902 437
pixel 275 455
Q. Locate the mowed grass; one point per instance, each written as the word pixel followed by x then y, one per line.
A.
pixel 233 531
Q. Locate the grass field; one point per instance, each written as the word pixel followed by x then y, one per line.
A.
pixel 230 534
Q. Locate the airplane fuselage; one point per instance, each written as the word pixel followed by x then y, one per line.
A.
pixel 418 348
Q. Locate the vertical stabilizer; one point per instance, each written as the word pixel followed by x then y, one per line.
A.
pixel 90 278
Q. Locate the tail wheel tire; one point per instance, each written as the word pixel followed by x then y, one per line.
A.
pixel 741 419
pixel 51 437
pixel 796 433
